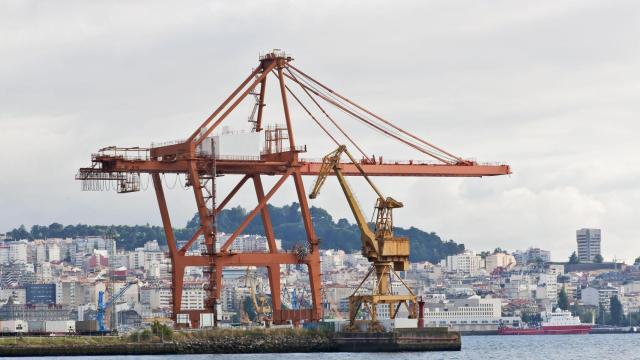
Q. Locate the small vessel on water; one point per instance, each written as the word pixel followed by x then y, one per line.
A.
pixel 553 323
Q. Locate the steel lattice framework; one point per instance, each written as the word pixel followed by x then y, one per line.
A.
pixel 280 158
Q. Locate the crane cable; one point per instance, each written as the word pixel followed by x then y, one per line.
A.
pixel 311 115
pixel 379 128
pixel 376 122
pixel 330 118
pixel 443 152
pixel 167 183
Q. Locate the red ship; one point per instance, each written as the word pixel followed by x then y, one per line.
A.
pixel 558 322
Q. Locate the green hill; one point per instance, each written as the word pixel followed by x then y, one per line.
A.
pixel 340 234
pixel 287 224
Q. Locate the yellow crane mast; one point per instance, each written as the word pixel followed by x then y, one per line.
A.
pixel 260 302
pixel 387 253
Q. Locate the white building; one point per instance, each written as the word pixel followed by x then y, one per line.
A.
pixel 18 252
pixel 547 287
pixel 519 286
pixel 193 297
pixel 156 297
pixel 53 252
pixel 473 313
pixel 151 246
pixel 596 296
pixel 245 243
pixel 588 244
pixel 4 253
pixel 331 260
pixel 467 263
pixel 532 254
pixel 505 261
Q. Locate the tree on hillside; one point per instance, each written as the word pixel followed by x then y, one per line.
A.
pixel 499 250
pixel 19 233
pixel 563 300
pixel 598 259
pixel 287 226
pixel 617 314
pixel 573 259
pixel 637 262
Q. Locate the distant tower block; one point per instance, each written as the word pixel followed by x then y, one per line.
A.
pixel 588 244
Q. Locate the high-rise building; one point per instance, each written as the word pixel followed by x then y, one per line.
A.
pixel 588 244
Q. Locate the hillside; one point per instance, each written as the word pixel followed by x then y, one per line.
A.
pixel 288 227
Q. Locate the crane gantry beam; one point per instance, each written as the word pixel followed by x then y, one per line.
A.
pixel 280 157
pixel 267 166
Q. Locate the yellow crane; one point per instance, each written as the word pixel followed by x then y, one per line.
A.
pixel 387 253
pixel 260 301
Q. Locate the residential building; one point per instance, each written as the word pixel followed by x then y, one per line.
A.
pixel 18 252
pixel 466 263
pixel 596 296
pixel 193 297
pixel 53 252
pixel 519 286
pixel 588 244
pixel 547 287
pixel 499 260
pixel 532 254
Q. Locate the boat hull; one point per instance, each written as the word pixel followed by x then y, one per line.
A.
pixel 547 330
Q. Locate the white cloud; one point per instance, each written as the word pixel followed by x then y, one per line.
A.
pixel 550 87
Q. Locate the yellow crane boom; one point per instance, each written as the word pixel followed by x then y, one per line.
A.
pixel 386 252
pixel 331 162
pixel 375 245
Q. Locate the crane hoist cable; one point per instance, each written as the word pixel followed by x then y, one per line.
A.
pixel 371 123
pixel 344 133
pixel 311 115
pixel 458 159
pixel 372 120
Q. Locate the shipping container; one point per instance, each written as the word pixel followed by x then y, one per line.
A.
pixel 60 326
pixel 36 327
pixel 87 326
pixel 323 325
pixel 398 323
pixel 206 320
pixel 14 326
pixel 183 319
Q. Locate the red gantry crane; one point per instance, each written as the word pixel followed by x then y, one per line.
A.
pixel 196 157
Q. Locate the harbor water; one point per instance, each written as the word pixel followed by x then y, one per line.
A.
pixel 605 346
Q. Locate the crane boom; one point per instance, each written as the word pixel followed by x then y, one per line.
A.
pixel 102 306
pixel 331 162
pixel 386 252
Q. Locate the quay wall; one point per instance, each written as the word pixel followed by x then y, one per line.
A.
pixel 230 342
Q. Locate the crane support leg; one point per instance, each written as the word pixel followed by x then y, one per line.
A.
pixel 314 253
pixel 272 270
pixel 177 268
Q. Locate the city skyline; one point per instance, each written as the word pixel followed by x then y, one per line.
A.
pixel 511 83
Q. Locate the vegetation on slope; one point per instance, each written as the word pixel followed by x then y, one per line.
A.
pixel 288 227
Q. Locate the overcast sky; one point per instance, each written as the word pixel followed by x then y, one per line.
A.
pixel 549 87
